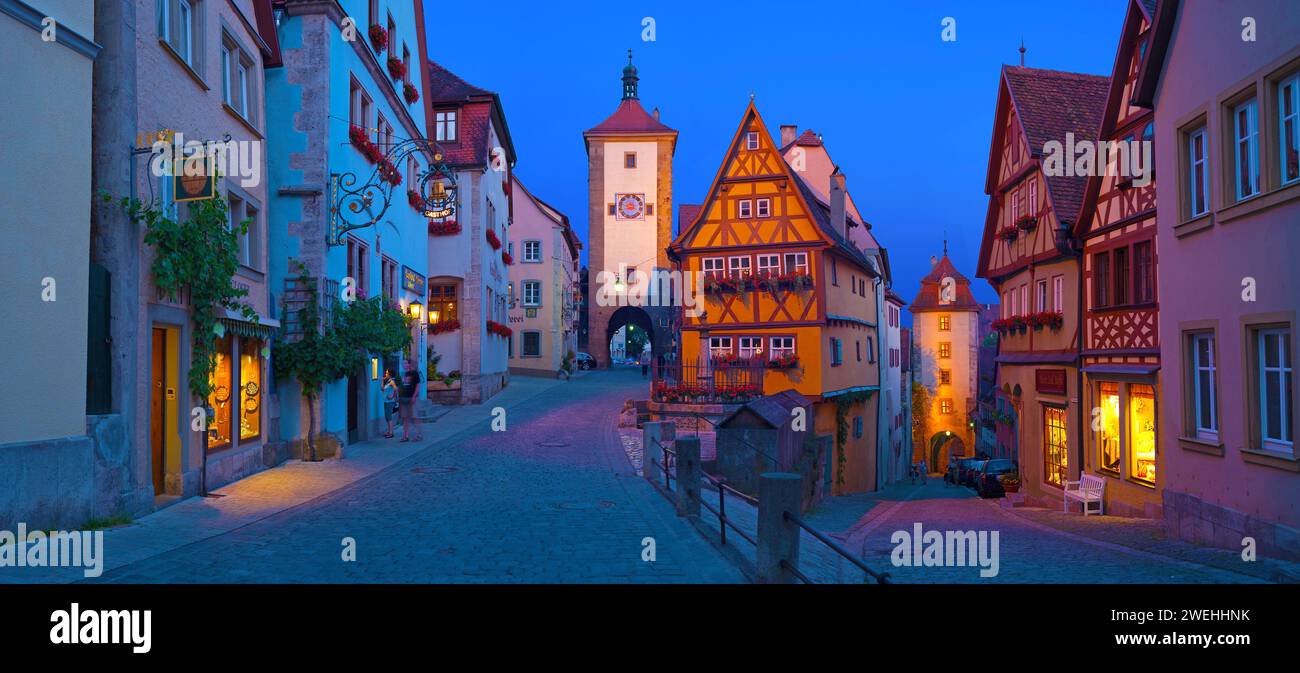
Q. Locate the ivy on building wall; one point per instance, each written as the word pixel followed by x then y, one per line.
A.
pixel 920 414
pixel 199 253
pixel 842 405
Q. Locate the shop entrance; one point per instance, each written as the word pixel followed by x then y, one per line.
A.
pixel 158 407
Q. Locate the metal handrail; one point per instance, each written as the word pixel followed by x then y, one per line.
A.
pixel 785 565
pixel 881 578
pixel 721 511
pixel 668 484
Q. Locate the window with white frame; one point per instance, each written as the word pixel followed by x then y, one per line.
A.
pixel 712 267
pixel 1008 304
pixel 751 347
pixel 238 211
pixel 751 140
pixel 532 251
pixel 1204 379
pixel 1023 303
pixel 179 27
pixel 763 207
pixel 719 345
pixel 1198 193
pixel 1058 294
pixel 359 108
pixel 782 346
pixel 1273 375
pixel 1245 131
pixel 769 265
pixel 1032 204
pixel 744 208
pixel 532 293
pixel 444 125
pixel 796 262
pixel 739 266
pixel 1288 119
pixel 1041 298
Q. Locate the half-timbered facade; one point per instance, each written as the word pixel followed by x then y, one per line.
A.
pixel 1121 336
pixel 784 287
pixel 1030 256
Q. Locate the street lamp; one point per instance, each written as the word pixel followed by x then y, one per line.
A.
pixel 415 308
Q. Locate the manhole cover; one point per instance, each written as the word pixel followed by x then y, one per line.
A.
pixel 553 445
pixel 603 504
pixel 434 470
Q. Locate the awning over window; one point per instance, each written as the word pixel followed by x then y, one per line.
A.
pixel 264 328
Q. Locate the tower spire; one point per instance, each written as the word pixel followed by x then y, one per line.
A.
pixel 1022 52
pixel 629 78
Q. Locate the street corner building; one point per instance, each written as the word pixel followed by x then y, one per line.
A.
pixel 791 303
pixel 1227 171
pixel 1028 254
pixel 472 248
pixel 543 294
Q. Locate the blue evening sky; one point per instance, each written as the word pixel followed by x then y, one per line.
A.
pixel 907 116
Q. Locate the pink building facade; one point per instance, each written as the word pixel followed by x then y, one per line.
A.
pixel 1226 95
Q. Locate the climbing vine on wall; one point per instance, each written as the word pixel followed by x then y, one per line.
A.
pixel 842 405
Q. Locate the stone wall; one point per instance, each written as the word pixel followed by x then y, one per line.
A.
pixel 1191 519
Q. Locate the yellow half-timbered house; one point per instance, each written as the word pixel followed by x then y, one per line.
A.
pixel 785 289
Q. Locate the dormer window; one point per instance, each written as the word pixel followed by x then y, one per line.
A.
pixel 444 124
pixel 751 140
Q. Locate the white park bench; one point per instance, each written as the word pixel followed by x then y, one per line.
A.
pixel 1086 490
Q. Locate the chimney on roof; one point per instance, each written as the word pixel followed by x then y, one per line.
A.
pixel 838 220
pixel 788 133
pixel 655 113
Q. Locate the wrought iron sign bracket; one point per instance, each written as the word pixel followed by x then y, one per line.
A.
pixel 355 207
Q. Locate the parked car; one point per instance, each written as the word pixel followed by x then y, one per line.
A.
pixel 972 471
pixel 987 484
pixel 585 361
pixel 952 475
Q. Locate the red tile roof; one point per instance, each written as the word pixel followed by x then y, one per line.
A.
pixel 630 117
pixel 686 214
pixel 476 107
pixel 928 298
pixel 446 87
pixel 1050 104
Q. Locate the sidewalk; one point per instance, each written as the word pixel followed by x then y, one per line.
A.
pixel 274 490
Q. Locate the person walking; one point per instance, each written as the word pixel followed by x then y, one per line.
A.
pixel 406 403
pixel 390 393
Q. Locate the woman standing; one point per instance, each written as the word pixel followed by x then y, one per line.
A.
pixel 389 389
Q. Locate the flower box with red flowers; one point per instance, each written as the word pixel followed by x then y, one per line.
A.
pixel 507 258
pixel 389 173
pixel 1027 223
pixel 786 361
pixel 494 327
pixel 396 67
pixel 444 228
pixel 444 326
pixel 493 240
pixel 1008 234
pixel 378 38
pixel 1043 319
pixel 410 93
pixel 726 359
pixel 417 202
pixel 719 285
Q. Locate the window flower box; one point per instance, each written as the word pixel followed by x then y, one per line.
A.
pixel 493 240
pixel 720 285
pixel 410 93
pixel 494 327
pixel 507 258
pixel 444 327
pixel 362 142
pixel 444 228
pixel 1027 223
pixel 389 173
pixel 378 38
pixel 417 202
pixel 789 361
pixel 1008 234
pixel 396 67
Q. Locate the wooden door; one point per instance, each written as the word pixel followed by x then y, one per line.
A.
pixel 158 406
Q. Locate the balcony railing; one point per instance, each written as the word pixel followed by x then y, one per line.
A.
pixel 705 382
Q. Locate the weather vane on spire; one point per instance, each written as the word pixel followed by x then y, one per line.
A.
pixel 1022 52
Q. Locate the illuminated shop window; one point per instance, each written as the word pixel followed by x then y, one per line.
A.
pixel 1108 433
pixel 1142 432
pixel 1055 456
pixel 250 388
pixel 223 396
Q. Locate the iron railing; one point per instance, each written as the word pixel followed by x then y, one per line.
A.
pixel 707 382
pixel 721 512
pixel 881 578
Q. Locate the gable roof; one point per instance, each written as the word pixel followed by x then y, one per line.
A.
pixel 264 15
pixel 805 139
pixel 687 213
pixel 629 117
pixel 931 285
pixel 821 214
pixel 774 410
pixel 1162 31
pixel 442 88
pixel 1049 105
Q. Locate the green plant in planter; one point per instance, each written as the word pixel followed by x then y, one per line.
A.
pixel 1010 479
pixel 201 254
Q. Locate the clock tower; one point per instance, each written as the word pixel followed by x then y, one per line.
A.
pixel 630 206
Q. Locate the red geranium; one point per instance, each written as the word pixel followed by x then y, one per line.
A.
pixel 410 93
pixel 444 326
pixel 378 38
pixel 396 67
pixel 444 228
pixel 507 258
pixel 493 240
pixel 389 173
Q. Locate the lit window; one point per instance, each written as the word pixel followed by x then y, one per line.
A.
pixel 945 349
pixel 945 377
pixel 442 304
pixel 223 396
pixel 945 405
pixel 1055 447
pixel 250 388
pixel 1142 432
pixel 1107 424
pixel 945 323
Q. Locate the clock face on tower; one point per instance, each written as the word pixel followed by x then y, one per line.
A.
pixel 630 206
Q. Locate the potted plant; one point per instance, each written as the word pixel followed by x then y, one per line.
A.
pixel 1010 482
pixel 410 93
pixel 378 38
pixel 396 67
pixel 1008 234
pixel 389 173
pixel 507 258
pixel 1026 223
pixel 444 228
pixel 493 240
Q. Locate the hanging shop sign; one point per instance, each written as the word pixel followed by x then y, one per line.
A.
pixel 412 281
